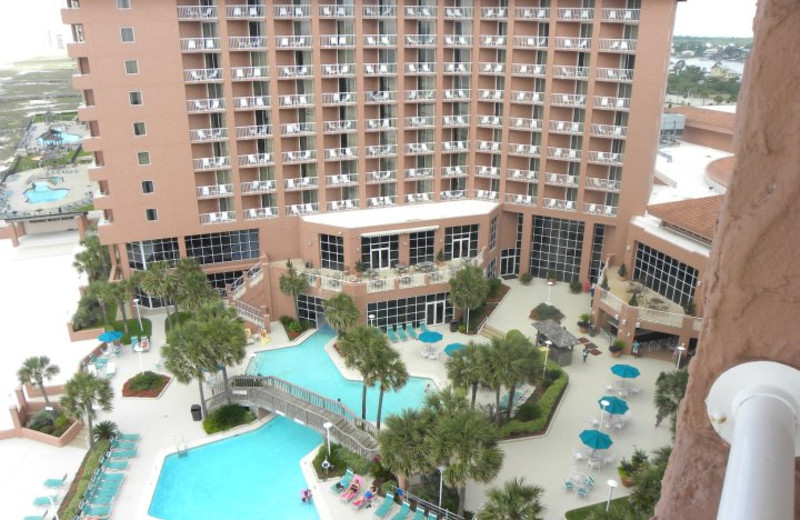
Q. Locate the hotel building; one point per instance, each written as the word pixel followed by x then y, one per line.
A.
pixel 518 134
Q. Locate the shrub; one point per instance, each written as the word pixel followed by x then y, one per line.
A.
pixel 633 301
pixel 528 411
pixel 89 313
pixel 547 404
pixel 226 417
pixel 341 458
pixel 440 256
pixel 551 375
pixel 104 429
pixel 285 321
pixel 526 278
pixel 388 486
pixel 547 312
pixel 689 308
pixel 40 420
pixel 622 271
pixel 604 283
pixel 494 287
pixel 146 381
pixel 74 496
pixel 575 286
pixel 617 345
pixel 462 328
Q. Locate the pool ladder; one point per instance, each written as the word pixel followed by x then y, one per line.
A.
pixel 181 447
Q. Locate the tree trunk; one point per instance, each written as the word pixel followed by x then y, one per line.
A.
pixel 225 381
pixel 364 402
pixel 46 399
pixel 474 394
pixel 91 435
pixel 466 328
pixel 124 317
pixel 105 312
pixel 202 396
pixel 380 405
pixel 497 406
pixel 510 401
pixel 462 495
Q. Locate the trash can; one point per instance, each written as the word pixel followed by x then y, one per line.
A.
pixel 197 413
pixel 454 326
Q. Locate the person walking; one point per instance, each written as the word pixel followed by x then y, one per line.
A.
pixel 585 353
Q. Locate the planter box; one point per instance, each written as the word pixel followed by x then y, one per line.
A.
pixel 83 335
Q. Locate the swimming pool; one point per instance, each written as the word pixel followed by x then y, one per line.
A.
pixel 252 476
pixel 42 192
pixel 66 138
pixel 309 366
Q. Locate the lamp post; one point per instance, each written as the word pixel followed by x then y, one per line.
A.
pixel 611 485
pixel 371 319
pixel 604 403
pixel 328 426
pixel 546 354
pixel 550 284
pixel 138 314
pixel 441 482
pixel 681 350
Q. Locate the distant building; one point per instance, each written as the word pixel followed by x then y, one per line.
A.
pixel 720 71
pixel 687 54
pixel 705 126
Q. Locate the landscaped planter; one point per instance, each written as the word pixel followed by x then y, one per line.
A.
pixel 152 393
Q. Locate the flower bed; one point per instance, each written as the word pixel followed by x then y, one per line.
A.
pixel 148 385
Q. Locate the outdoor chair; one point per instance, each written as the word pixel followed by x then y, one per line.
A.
pixel 46 500
pixel 344 482
pixel 568 485
pixel 410 330
pixel 577 456
pixel 404 509
pixel 583 491
pixel 401 333
pixel 56 482
pixel 383 510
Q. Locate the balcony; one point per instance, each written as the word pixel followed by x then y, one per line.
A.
pixel 621 15
pixel 341 179
pixel 561 179
pixel 380 96
pixel 381 150
pixel 617 45
pixel 420 148
pixel 458 40
pixel 337 41
pixel 420 40
pixel 488 146
pixel 379 11
pixel 455 171
pixel 293 42
pixel 613 131
pixel 248 102
pixel 300 183
pixel 211 163
pixel 529 71
pixel 423 12
pixel 296 210
pixel 577 14
pixel 217 217
pixel 199 44
pixel 494 13
pixel 205 135
pixel 595 183
pixel 530 42
pixel 260 213
pixel 421 68
pixel 563 154
pixel 522 175
pixel 457 13
pixel 338 69
pixel 524 150
pixel 300 128
pixel 337 11
pixel 343 205
pixel 341 154
pixel 488 40
pixel 520 199
pixel 339 98
pixel 202 75
pixel 488 172
pixel 295 71
pixel 249 73
pixel 490 121
pixel 381 124
pixel 455 146
pixel 380 69
pixel 291 11
pixel 256 159
pixel 380 176
pixel 244 12
pixel 558 204
pixel 533 13
pixel 188 13
pixel 297 100
pixel 215 190
pixel 266 186
pixel 419 198
pixel 599 209
pixel 420 95
pixel 527 97
pixel 457 67
pixel 415 174
pixel 342 125
pixel 491 196
pixel 610 158
pixel 612 103
pixel 525 123
pixel 419 122
pixel 490 95
pixel 380 40
pixel 566 127
pixel 299 156
pixel 604 74
pixel 455 121
pixel 570 43
pixel 253 131
pixel 247 43
pixel 195 106
pixel 570 72
pixel 494 68
pixel 570 100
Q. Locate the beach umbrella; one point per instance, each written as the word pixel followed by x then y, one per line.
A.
pixel 596 439
pixel 615 406
pixel 430 336
pixel 452 348
pixel 625 371
pixel 109 336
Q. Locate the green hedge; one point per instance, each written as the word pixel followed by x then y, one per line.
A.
pixel 546 404
pixel 226 417
pixel 341 458
pixel 82 478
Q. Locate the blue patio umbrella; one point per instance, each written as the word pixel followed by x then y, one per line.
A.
pixel 430 336
pixel 109 335
pixel 452 348
pixel 625 371
pixel 596 439
pixel 616 406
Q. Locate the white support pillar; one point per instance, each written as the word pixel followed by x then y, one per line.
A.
pixel 756 408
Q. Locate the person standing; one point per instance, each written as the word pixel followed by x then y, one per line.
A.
pixel 585 353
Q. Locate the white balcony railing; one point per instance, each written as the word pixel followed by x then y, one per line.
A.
pixel 381 123
pixel 295 71
pixel 418 198
pixel 217 217
pixel 296 100
pixel 606 74
pixel 420 40
pixel 421 67
pixel 521 175
pixel 457 67
pixel 570 72
pixel 490 95
pixel 338 69
pixel 381 150
pixel 457 13
pixel 247 43
pixel 489 40
pixel 595 183
pixel 256 159
pixel 205 105
pixel 380 40
pixel 380 69
pixel 420 12
pixel 487 171
pixel 253 131
pixel 199 44
pixel 485 195
pixel 202 135
pixel 457 40
pixel 573 100
pixel 242 11
pixel 455 120
pixel 337 40
pixel 418 173
pixel 563 154
pixel 617 45
pixel 621 15
pixel 420 121
pixel 248 73
pixel 600 209
pixel 488 146
pixel 299 128
pixel 492 67
pixel 300 183
pixel 455 146
pixel 611 158
pixel 291 11
pixel 566 127
pixel 342 125
pixel 524 150
pixel 202 75
pixel 338 98
pixel 455 171
pixel 530 42
pixel 615 131
pixel 529 70
pixel 295 210
pixel 265 186
pixel 337 11
pixel 420 148
pixel 196 12
pixel 420 95
pixel 211 163
pixel 575 13
pixel 525 96
pixel 260 213
pixel 215 190
pixel 341 154
pixel 299 156
pixel 457 94
pixel 248 102
pixel 293 42
pixel 533 13
pixel 341 179
pixel 380 96
pixel 559 204
pixel 379 11
pixel 343 205
pixel 525 123
pixel 561 179
pixel 518 198
pixel 381 176
pixel 573 43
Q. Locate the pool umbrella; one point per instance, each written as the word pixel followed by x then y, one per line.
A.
pixel 616 406
pixel 625 371
pixel 430 336
pixel 109 336
pixel 596 439
pixel 452 348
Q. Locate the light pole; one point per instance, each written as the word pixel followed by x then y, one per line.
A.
pixel 138 315
pixel 611 485
pixel 550 284
pixel 441 482
pixel 546 354
pixel 681 349
pixel 371 319
pixel 328 426
pixel 604 404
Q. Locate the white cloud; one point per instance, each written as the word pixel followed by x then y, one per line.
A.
pixel 715 18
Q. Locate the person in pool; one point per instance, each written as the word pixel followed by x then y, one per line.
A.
pixel 306 495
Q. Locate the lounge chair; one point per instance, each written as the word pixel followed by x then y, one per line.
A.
pixel 423 327
pixel 392 335
pixel 123 445
pixel 88 509
pixel 388 502
pixel 128 436
pixel 419 513
pixel 401 333
pixel 410 330
pixel 43 516
pixel 46 500
pixel 404 509
pixel 122 454
pixel 55 482
pixel 344 482
pixel 364 501
pixel 352 490
pixel 431 516
pixel 116 465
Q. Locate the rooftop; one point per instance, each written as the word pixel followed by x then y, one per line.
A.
pixel 683 167
pixel 708 116
pixel 698 216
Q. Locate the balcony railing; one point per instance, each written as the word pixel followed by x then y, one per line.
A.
pixel 420 40
pixel 245 11
pixel 600 209
pixel 419 198
pixel 420 121
pixel 341 179
pixel 202 75
pixel 563 154
pixel 380 96
pixel 490 95
pixel 295 210
pixel 380 69
pixel 566 127
pixel 336 11
pixel 337 40
pixel 492 68
pixel 266 186
pixel 381 176
pixel 525 123
pixel 217 217
pixel 561 179
pixel 605 74
pixel 487 171
pixel 260 213
pixel 617 45
pixel 256 159
pixel 458 94
pixel 489 40
pixel 614 131
pixel 253 131
pixel 380 40
pixel 458 40
pixel 455 146
pixel 196 12
pixel 421 67
pixel 612 158
pixel 420 95
pixel 338 69
pixel 211 163
pixel 488 146
pixel 457 67
pixel 570 72
pixel 525 96
pixel 531 71
pixel 559 204
pixel 533 13
pixel 247 43
pixel 248 73
pixel 297 100
pixel 457 13
pixel 248 102
pixel 343 125
pixel 341 154
pixel 199 44
pixel 420 148
pixel 299 156
pixel 295 71
pixel 530 42
pixel 215 190
pixel 379 11
pixel 293 42
pixel 202 135
pixel 575 13
pixel 299 128
pixel 612 103
pixel 291 11
pixel 343 205
pixel 455 171
pixel 459 120
pixel 518 198
pixel 491 196
pixel 420 12
pixel 300 183
pixel 572 43
pixel 494 13
pixel 338 98
pixel 521 175
pixel 418 173
pixel 205 105
pixel 573 100
pixel 381 150
pixel 525 150
pixel 381 123
pixel 621 15
pixel 595 183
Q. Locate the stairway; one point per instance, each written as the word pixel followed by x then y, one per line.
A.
pixel 490 332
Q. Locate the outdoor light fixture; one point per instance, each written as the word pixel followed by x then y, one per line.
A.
pixel 371 318
pixel 550 284
pixel 546 354
pixel 611 485
pixel 681 350
pixel 441 482
pixel 138 314
pixel 328 426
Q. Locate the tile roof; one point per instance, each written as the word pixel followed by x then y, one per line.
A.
pixel 698 216
pixel 695 115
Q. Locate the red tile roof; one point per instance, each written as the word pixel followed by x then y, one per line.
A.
pixel 698 216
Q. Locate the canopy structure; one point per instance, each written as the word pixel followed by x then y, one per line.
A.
pixel 562 341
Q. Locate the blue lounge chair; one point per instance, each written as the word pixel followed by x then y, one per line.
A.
pixel 56 482
pixel 43 516
pixel 392 335
pixel 431 516
pixel 404 509
pixel 122 454
pixel 388 502
pixel 123 445
pixel 343 483
pixel 128 436
pixel 423 327
pixel 115 465
pixel 46 500
pixel 90 510
pixel 410 330
pixel 419 513
pixel 401 333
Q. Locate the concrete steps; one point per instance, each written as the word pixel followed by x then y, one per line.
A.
pixel 490 332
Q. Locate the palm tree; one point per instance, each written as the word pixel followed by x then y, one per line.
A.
pixel 516 500
pixel 156 282
pixel 191 285
pixel 447 402
pixel 293 284
pixel 103 292
pixel 83 394
pixel 670 389
pixel 357 347
pixel 225 335
pixel 522 357
pixel 94 259
pixel 403 449
pixel 464 368
pixel 35 370
pixel 187 355
pixel 120 293
pixel 390 373
pixel 506 362
pixel 468 289
pixel 341 312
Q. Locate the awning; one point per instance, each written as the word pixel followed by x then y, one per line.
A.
pixel 393 232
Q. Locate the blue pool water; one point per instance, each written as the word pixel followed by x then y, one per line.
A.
pixel 42 192
pixel 66 138
pixel 253 476
pixel 309 366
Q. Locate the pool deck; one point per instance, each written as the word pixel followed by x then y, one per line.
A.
pixel 165 422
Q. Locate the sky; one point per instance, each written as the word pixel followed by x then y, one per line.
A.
pixel 715 18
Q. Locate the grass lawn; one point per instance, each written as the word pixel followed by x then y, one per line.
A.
pixel 584 512
pixel 133 327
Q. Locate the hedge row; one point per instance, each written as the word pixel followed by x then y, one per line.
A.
pixel 547 404
pixel 82 479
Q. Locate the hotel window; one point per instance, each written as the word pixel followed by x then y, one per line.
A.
pixel 151 214
pixel 148 187
pixel 556 246
pixel 123 4
pixel 667 276
pixel 139 128
pixel 432 309
pixel 214 248
pixel 131 67
pixel 135 98
pixel 143 158
pixel 331 252
pixel 493 234
pixel 126 34
pixel 309 307
pixel 421 247
pixel 142 254
pixel 379 252
pixel 461 242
